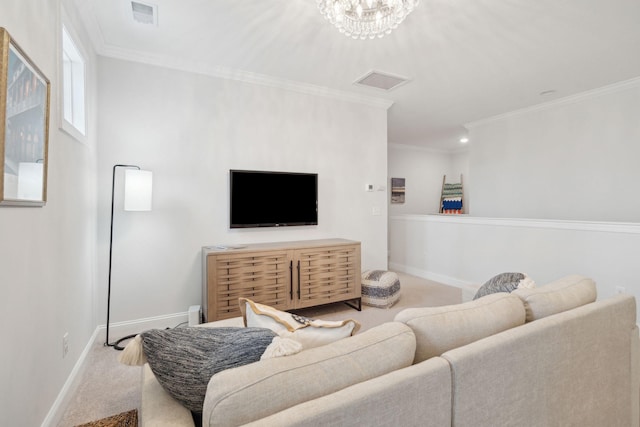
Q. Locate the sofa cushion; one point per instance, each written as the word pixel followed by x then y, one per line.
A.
pixel 418 395
pixel 184 359
pixel 308 332
pixel 248 393
pixel 558 296
pixel 504 282
pixel 439 329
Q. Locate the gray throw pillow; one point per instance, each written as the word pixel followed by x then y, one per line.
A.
pixel 504 282
pixel 184 359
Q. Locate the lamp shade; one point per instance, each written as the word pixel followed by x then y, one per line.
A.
pixel 138 186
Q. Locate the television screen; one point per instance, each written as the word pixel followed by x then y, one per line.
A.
pixel 273 199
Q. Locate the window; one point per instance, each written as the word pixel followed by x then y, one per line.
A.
pixel 73 83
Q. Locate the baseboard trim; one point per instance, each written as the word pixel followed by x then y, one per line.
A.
pixel 119 329
pixel 70 385
pixel 446 280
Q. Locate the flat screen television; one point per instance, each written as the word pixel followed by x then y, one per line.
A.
pixel 272 199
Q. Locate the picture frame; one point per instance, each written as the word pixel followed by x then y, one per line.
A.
pixel 397 190
pixel 24 127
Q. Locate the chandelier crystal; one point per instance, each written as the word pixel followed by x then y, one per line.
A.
pixel 362 19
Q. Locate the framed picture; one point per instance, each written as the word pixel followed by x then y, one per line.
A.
pixel 24 127
pixel 397 190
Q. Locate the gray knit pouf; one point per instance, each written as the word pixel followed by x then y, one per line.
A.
pixel 380 288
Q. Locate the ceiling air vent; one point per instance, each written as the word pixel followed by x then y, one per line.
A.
pixel 144 13
pixel 383 81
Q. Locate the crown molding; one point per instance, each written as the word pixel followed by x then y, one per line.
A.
pixel 91 25
pixel 200 67
pixel 408 147
pixel 102 48
pixel 572 99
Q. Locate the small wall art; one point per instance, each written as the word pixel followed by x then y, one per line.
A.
pixel 24 127
pixel 397 190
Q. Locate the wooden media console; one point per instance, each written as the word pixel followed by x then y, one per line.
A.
pixel 284 275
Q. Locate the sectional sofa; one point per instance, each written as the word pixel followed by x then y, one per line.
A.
pixel 549 356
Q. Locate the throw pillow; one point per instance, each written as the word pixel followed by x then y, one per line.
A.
pixel 184 359
pixel 505 282
pixel 308 332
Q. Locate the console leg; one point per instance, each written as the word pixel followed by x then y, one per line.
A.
pixel 358 306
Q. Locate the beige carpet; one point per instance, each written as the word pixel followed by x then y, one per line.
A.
pixel 414 292
pixel 107 387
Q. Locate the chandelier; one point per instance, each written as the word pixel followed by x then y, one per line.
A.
pixel 362 19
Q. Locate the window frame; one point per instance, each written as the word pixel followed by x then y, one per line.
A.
pixel 67 84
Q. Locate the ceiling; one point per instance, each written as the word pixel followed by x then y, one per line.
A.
pixel 466 59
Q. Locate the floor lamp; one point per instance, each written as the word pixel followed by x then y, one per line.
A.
pixel 137 197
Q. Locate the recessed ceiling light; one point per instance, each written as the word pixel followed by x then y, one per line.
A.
pixel 464 140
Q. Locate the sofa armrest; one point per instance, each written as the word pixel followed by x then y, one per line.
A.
pixel 158 408
pixel 635 377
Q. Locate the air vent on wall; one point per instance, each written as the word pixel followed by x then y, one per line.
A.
pixel 383 81
pixel 144 13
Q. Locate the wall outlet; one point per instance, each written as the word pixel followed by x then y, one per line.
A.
pixel 620 290
pixel 65 344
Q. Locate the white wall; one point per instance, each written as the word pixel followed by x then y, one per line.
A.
pixel 190 129
pixel 575 159
pixel 470 250
pixel 571 165
pixel 423 170
pixel 47 255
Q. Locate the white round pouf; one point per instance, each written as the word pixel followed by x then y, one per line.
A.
pixel 380 288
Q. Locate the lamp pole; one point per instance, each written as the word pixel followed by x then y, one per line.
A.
pixel 113 186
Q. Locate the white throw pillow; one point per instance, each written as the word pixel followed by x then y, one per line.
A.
pixel 308 332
